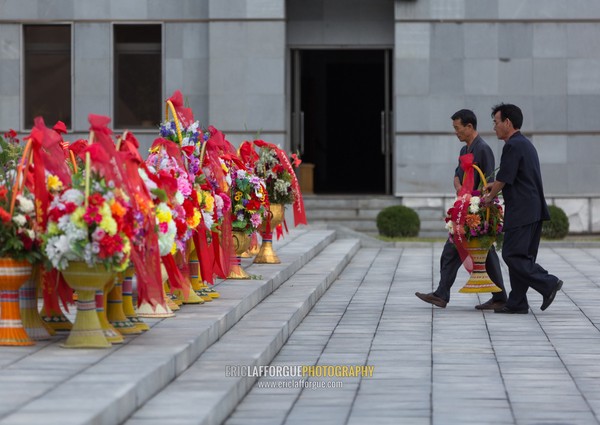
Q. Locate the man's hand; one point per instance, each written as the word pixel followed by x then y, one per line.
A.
pixel 491 190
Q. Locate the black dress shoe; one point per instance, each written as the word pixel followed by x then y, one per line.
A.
pixel 506 310
pixel 432 299
pixel 490 305
pixel 548 300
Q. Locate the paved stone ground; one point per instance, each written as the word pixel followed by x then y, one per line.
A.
pixel 440 366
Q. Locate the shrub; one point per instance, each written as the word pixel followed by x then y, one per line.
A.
pixel 558 226
pixel 398 221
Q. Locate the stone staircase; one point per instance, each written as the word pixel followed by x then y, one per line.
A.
pixel 176 372
pixel 359 213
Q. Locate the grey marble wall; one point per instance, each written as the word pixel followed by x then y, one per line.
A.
pixel 548 66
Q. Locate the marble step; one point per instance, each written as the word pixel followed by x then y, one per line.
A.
pixel 204 394
pixel 46 383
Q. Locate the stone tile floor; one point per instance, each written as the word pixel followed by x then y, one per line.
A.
pixel 436 366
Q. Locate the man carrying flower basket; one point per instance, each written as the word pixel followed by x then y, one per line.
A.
pixel 465 128
pixel 520 181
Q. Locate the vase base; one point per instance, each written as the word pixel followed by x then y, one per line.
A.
pixel 15 336
pixel 236 272
pixel 479 287
pixel 267 254
pixel 172 304
pixel 86 339
pixel 192 297
pixel 126 327
pixel 58 323
pixel 139 323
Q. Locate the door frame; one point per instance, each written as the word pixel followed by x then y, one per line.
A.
pixel 387 127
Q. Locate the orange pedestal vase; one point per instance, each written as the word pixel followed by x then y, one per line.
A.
pixel 479 281
pixel 13 274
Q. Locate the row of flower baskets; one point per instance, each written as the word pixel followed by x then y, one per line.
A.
pixel 102 220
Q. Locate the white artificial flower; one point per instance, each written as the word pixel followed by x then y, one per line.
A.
pixel 474 208
pixel 73 195
pixel 19 220
pixel 208 219
pixel 450 227
pixel 25 204
pixel 179 197
pixel 475 200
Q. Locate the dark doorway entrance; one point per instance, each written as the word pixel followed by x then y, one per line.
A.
pixel 342 111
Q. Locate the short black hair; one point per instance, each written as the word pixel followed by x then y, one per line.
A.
pixel 466 116
pixel 510 111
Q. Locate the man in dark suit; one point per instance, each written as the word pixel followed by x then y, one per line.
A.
pixel 465 128
pixel 520 180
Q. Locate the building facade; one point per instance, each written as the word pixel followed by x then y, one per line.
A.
pixel 354 85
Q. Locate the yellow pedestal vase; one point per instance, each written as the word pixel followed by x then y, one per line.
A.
pixel 267 254
pixel 114 309
pixel 85 280
pixel 33 323
pixel 111 334
pixel 198 285
pixel 479 281
pixel 13 274
pixel 241 242
pixel 128 307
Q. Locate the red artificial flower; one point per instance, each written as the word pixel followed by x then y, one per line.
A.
pixel 181 227
pixel 296 161
pixel 11 136
pixel 110 245
pixel 95 199
pixel 278 169
pixel 26 240
pixel 4 215
pixel 3 192
pixel 253 205
pixel 92 215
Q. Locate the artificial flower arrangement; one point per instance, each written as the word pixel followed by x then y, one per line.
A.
pixel 472 220
pixel 96 229
pixel 19 232
pixel 249 198
pixel 277 179
pixel 184 204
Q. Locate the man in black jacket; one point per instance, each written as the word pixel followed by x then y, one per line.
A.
pixel 520 180
pixel 465 128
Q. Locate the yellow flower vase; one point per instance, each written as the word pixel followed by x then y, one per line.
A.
pixel 111 334
pixel 85 280
pixel 114 309
pixel 479 281
pixel 241 242
pixel 198 285
pixel 128 307
pixel 187 296
pixel 267 254
pixel 13 274
pixel 34 325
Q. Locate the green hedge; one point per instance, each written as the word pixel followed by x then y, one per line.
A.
pixel 398 221
pixel 558 226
